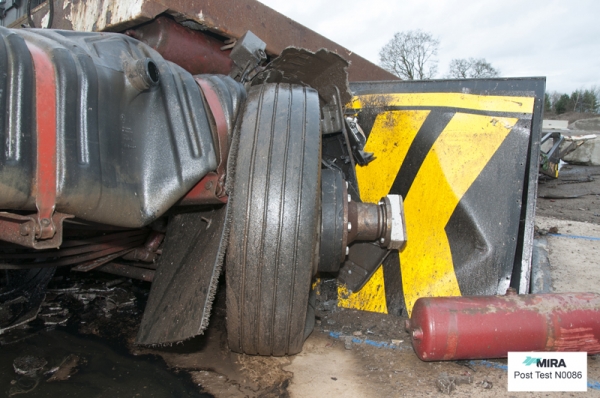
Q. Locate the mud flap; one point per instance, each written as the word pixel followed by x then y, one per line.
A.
pixel 186 279
pixel 464 156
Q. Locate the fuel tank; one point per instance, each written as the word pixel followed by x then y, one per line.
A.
pixel 121 133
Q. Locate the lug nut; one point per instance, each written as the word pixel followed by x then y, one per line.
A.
pixel 347 250
pixel 349 226
pixel 349 198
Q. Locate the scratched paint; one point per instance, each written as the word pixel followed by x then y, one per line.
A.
pixel 88 16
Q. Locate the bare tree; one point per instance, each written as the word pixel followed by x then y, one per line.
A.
pixel 462 68
pixel 410 55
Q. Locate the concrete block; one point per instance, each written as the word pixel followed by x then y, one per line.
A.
pixel 587 154
pixel 554 124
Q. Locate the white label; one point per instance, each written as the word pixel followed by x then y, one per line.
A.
pixel 547 371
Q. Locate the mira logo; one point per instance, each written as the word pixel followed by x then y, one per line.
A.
pixel 545 363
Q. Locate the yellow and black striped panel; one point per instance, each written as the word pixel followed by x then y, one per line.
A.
pixel 460 162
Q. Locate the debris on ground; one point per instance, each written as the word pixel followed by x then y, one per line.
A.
pixel 29 365
pixel 89 303
pixel 577 188
pixel 446 384
pixel 348 342
pixel 486 384
pixel 67 368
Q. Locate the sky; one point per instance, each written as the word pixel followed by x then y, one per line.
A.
pixel 556 39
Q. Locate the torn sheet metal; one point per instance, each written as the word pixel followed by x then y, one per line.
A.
pixel 227 18
pixel 323 71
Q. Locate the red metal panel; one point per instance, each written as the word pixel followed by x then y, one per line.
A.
pixel 452 328
pixel 194 51
pixel 233 18
pixel 211 189
pixel 45 102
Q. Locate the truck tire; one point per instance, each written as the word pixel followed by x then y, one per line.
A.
pixel 274 208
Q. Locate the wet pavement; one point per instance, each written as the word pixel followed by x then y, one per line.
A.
pixel 76 366
pixel 79 345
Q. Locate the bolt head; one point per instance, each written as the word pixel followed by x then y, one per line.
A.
pixel 349 226
pixel 347 251
pixel 417 334
pixel 25 229
pixel 349 198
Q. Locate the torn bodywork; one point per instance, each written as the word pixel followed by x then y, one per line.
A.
pixel 125 148
pixel 143 142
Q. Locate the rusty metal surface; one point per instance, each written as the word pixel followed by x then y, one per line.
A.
pixel 194 51
pixel 453 328
pixel 128 271
pixel 23 230
pixel 86 253
pixel 230 18
pixel 211 189
pixel 366 221
pixel 149 252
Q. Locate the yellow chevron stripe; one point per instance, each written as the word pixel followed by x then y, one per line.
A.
pixel 469 142
pixel 454 100
pixel 390 138
pixel 456 159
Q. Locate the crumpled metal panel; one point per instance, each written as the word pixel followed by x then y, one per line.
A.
pixel 126 152
pixel 463 155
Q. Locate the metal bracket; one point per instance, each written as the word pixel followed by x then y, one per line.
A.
pixel 26 230
pixel 549 160
pixel 247 54
pixel 211 189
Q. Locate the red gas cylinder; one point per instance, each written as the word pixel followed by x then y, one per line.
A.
pixel 452 328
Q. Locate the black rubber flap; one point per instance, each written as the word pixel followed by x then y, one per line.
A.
pixel 186 280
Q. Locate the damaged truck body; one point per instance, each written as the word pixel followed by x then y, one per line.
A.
pixel 166 141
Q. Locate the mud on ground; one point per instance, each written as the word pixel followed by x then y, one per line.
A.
pixel 575 195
